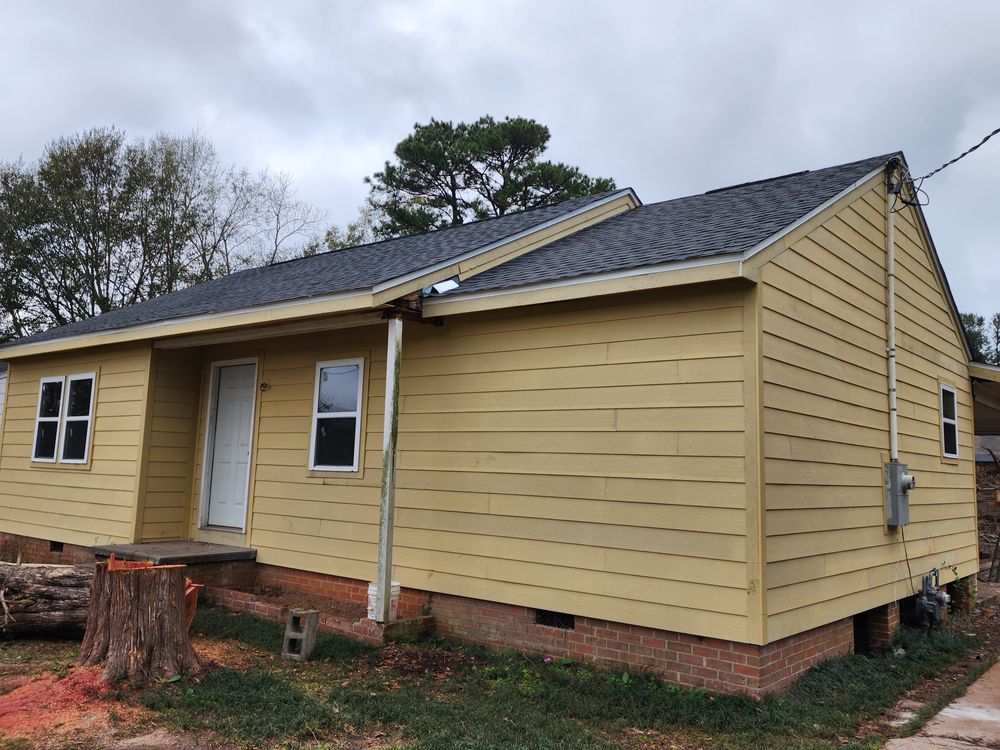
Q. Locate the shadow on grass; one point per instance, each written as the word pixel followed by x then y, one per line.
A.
pixel 249 706
pixel 265 635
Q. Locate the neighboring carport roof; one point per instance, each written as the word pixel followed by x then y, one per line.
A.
pixel 720 222
pixel 342 271
pixel 985 398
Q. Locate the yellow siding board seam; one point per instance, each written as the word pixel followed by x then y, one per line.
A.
pixel 756 567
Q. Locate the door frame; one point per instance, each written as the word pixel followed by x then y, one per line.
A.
pixel 208 453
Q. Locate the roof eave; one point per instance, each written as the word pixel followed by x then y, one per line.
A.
pixel 331 304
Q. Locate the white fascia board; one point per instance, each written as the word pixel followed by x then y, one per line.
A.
pixel 420 273
pixel 663 267
pixel 151 328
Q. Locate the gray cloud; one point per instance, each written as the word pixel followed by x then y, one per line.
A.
pixel 671 98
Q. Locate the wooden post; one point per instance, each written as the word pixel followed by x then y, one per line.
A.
pixel 390 426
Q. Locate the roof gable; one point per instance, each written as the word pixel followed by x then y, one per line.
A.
pixel 718 223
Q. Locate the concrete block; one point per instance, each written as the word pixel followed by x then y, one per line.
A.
pixel 300 634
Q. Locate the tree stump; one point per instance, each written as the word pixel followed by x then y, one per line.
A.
pixel 136 624
pixel 40 598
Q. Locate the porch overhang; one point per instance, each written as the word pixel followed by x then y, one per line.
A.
pixel 986 398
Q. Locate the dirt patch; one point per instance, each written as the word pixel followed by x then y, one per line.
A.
pixel 232 654
pixel 299 600
pixel 45 710
pixel 414 661
pixel 651 739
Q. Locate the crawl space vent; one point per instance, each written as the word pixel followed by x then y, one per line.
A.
pixel 559 620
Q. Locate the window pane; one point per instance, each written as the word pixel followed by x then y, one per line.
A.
pixel 947 404
pixel 951 439
pixel 338 388
pixel 75 439
pixel 51 399
pixel 334 442
pixel 78 398
pixel 45 442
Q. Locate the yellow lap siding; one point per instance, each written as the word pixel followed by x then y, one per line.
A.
pixel 829 553
pixel 89 504
pixel 598 444
pixel 170 458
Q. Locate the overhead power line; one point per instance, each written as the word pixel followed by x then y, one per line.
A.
pixel 957 158
pixel 918 196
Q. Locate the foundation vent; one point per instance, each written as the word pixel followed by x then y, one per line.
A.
pixel 559 620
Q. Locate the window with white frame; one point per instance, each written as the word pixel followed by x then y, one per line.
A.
pixel 336 422
pixel 949 422
pixel 63 420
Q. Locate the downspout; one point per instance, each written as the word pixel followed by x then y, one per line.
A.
pixel 390 428
pixel 890 305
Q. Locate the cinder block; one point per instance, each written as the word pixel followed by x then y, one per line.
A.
pixel 300 634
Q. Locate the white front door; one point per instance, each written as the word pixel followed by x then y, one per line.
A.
pixel 233 429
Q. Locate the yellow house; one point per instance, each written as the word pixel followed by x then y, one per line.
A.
pixel 654 435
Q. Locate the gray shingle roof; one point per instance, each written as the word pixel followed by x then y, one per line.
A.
pixel 719 222
pixel 351 269
pixel 716 223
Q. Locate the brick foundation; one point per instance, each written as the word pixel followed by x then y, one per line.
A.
pixel 688 660
pixel 692 661
pixel 883 622
pixel 31 550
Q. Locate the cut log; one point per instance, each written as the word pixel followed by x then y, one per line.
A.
pixel 43 598
pixel 136 625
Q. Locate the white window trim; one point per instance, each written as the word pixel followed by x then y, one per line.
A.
pixel 317 415
pixel 947 420
pixel 39 419
pixel 63 417
pixel 89 418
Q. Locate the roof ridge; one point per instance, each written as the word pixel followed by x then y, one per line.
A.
pixel 765 180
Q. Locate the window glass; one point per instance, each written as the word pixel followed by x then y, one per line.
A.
pixel 948 403
pixel 45 440
pixel 950 440
pixel 75 440
pixel 78 398
pixel 338 389
pixel 51 399
pixel 335 441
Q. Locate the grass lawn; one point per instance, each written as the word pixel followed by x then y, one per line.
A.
pixel 438 696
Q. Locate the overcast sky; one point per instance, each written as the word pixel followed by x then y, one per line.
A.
pixel 672 98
